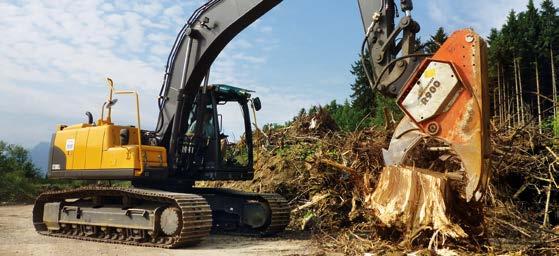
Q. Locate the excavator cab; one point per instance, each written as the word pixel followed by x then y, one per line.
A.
pixel 211 149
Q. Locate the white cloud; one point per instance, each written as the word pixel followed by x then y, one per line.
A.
pixel 150 9
pixel 175 14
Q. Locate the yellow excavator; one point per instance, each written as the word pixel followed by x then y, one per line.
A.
pixel 442 95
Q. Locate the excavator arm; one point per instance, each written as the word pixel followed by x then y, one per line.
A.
pixel 385 71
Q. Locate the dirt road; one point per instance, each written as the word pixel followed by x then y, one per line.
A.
pixel 17 237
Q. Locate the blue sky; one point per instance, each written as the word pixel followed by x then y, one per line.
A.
pixel 54 55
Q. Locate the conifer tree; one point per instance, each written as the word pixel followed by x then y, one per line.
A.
pixel 436 41
pixel 362 96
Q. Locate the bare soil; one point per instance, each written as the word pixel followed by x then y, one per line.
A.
pixel 18 237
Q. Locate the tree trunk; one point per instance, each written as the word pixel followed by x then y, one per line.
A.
pixel 538 97
pixel 506 99
pixel 554 83
pixel 517 94
pixel 495 103
pixel 500 85
pixel 522 114
pixel 510 109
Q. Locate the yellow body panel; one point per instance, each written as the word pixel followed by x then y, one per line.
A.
pixel 97 148
pixel 80 146
pixel 93 151
pixel 62 142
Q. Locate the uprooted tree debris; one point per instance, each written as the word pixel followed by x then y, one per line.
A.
pixel 330 178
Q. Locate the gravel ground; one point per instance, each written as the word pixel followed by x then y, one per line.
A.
pixel 18 237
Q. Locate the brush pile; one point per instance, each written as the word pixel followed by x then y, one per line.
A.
pixel 523 203
pixel 327 174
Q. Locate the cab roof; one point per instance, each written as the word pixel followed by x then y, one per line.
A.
pixel 228 92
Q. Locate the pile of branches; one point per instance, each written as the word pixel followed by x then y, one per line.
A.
pixel 523 201
pixel 324 174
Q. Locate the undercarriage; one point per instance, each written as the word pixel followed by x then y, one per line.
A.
pixel 157 218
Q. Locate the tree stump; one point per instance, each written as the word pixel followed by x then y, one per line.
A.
pixel 413 200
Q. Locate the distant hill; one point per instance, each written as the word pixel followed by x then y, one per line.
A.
pixel 40 155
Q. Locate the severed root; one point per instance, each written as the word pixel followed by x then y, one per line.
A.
pixel 413 199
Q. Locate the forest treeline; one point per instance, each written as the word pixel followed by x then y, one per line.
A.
pixel 523 62
pixel 19 178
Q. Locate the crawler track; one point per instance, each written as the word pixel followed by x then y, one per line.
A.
pixel 196 221
pixel 279 210
pixel 280 214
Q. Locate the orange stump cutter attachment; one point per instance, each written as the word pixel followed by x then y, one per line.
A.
pixel 447 98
